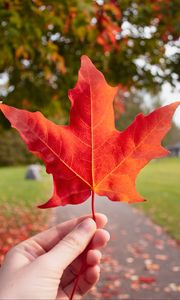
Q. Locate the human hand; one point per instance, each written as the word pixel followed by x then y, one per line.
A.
pixel 46 265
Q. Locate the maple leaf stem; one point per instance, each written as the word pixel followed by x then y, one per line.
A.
pixel 75 284
pixel 81 271
pixel 82 267
pixel 92 206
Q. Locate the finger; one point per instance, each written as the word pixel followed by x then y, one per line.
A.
pixel 49 238
pixel 93 257
pixel 71 246
pixel 100 239
pixel 86 282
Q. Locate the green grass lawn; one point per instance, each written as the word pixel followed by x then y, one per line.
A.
pixel 15 190
pixel 159 183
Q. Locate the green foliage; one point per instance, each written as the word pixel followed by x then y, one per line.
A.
pixel 133 105
pixel 173 136
pixel 42 41
pixel 13 150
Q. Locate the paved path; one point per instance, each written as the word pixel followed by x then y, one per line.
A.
pixel 140 262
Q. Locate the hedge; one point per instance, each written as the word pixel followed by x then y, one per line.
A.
pixel 13 151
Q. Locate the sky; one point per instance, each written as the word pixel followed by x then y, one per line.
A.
pixel 168 96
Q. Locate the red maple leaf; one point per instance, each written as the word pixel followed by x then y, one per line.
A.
pixel 147 280
pixel 90 155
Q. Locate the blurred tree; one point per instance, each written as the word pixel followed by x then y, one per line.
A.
pixel 173 136
pixel 42 41
pixel 133 104
pixel 13 150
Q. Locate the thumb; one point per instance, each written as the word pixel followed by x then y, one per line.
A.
pixel 73 244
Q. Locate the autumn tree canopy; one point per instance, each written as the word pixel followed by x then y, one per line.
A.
pixel 41 43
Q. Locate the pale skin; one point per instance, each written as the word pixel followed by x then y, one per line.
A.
pixel 46 265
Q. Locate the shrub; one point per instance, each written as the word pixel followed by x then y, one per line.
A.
pixel 13 151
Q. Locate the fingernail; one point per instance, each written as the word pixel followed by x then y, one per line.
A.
pixel 87 225
pixel 98 269
pixel 107 235
pixel 105 219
